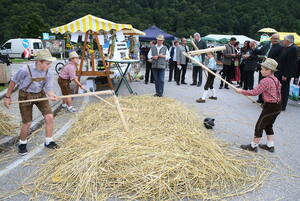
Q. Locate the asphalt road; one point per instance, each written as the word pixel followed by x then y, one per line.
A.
pixel 235 120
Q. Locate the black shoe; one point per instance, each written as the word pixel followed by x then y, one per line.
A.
pixel 22 149
pixel 226 87
pixel 249 147
pixel 146 82
pixel 155 95
pixel 260 101
pixel 265 147
pixel 193 84
pixel 52 145
pixel 169 80
pixel 221 87
pixel 183 83
pixel 200 100
pixel 213 98
pixel 198 85
pixel 178 83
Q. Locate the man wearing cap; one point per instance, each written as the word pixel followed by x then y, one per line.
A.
pixel 229 55
pixel 65 77
pixel 287 67
pixel 34 82
pixel 270 88
pixel 159 54
pixel 197 70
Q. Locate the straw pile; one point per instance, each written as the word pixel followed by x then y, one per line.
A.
pixel 168 155
pixel 6 128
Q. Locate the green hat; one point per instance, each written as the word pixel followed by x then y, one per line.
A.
pixel 45 55
pixel 270 64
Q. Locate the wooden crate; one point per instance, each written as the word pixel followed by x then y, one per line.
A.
pixel 5 74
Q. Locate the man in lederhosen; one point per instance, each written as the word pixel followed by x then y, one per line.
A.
pixel 34 82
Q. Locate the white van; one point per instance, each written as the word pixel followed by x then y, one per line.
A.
pixel 14 48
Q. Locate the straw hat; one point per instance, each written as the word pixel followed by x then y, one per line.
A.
pixel 160 37
pixel 45 55
pixel 73 55
pixel 270 64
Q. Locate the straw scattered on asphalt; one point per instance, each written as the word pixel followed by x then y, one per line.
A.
pixel 167 155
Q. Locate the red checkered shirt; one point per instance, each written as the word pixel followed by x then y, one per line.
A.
pixel 269 87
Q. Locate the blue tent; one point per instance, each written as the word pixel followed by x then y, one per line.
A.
pixel 152 32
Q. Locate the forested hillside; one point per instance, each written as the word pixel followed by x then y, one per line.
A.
pixel 20 18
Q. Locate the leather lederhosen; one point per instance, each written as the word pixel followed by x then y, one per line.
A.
pixel 26 108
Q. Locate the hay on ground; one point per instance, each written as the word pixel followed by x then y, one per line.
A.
pixel 168 155
pixel 6 127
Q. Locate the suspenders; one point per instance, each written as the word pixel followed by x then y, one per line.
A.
pixel 277 89
pixel 36 79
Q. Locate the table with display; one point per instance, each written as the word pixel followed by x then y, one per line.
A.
pixel 123 73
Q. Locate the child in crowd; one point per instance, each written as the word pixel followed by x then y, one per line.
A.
pixel 212 65
pixel 66 75
pixel 270 88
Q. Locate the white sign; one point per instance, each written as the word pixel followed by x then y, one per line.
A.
pixel 120 36
pixel 101 39
pixel 74 37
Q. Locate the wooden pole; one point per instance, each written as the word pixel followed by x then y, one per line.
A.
pixel 106 92
pixel 82 58
pixel 106 65
pixel 120 113
pixel 216 75
pixel 203 51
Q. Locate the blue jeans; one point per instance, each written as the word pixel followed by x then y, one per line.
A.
pixel 159 75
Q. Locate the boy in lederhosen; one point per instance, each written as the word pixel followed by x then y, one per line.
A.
pixel 270 88
pixel 34 82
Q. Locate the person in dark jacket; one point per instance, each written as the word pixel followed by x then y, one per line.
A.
pixel 244 50
pixel 250 61
pixel 197 70
pixel 275 48
pixel 287 67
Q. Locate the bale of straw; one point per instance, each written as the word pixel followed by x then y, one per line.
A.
pixel 167 155
pixel 6 127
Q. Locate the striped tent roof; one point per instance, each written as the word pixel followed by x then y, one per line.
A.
pixel 90 22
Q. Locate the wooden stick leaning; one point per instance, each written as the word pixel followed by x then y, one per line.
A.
pixel 106 92
pixel 216 75
pixel 196 48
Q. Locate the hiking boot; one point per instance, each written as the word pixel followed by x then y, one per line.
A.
pixel 200 100
pixel 213 98
pixel 22 149
pixel 52 145
pixel 265 147
pixel 248 147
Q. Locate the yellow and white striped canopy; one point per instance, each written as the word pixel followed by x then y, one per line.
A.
pixel 133 31
pixel 90 22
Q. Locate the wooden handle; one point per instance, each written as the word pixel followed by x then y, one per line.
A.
pixel 106 92
pixel 216 75
pixel 203 51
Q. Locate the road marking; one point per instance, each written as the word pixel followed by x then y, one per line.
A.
pixel 40 147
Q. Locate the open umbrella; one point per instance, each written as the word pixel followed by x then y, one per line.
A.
pixel 267 30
